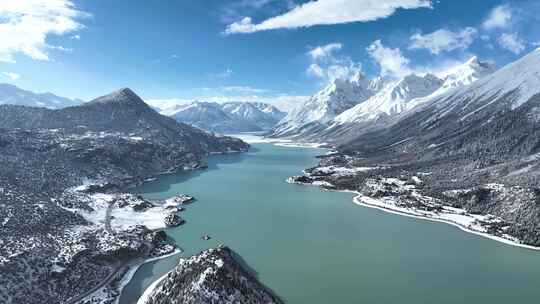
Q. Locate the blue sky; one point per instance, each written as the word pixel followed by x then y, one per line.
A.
pixel 270 50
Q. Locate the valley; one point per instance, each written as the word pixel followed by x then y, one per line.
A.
pixel 341 251
pixel 299 151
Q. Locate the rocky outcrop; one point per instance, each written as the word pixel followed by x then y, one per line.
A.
pixel 173 220
pixel 213 276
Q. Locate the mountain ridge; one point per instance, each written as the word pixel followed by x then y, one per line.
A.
pixel 11 94
pixel 229 117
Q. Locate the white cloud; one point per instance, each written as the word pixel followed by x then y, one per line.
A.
pixel 337 71
pixel 391 61
pixel 325 12
pixel 444 40
pixel 328 66
pixel 499 17
pixel 316 70
pixel 512 42
pixel 11 75
pixel 325 51
pixel 26 24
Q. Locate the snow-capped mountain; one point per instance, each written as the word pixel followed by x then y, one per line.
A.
pixel 413 90
pixel 10 94
pixel 467 73
pixel 393 99
pixel 321 108
pixel 204 115
pixel 495 117
pixel 516 83
pixel 229 117
pixel 263 115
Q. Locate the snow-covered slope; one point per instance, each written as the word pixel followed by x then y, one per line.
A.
pixel 321 108
pixel 10 94
pixel 493 118
pixel 467 73
pixel 229 117
pixel 413 90
pixel 263 115
pixel 271 110
pixel 518 82
pixel 393 99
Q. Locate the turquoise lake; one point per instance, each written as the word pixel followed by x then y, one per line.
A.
pixel 312 246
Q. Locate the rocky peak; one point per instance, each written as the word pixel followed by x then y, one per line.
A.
pixel 124 96
pixel 467 73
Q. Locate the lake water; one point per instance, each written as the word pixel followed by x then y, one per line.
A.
pixel 311 246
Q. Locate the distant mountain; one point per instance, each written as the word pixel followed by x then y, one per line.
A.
pixel 264 116
pixel 228 117
pixel 320 109
pixel 10 94
pixel 497 114
pixel 119 112
pixel 394 99
pixel 494 120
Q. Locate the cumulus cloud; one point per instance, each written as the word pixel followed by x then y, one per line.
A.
pixel 512 43
pixel 325 51
pixel 327 65
pixel 325 12
pixel 499 17
pixel 26 24
pixel 316 70
pixel 444 40
pixel 391 61
pixel 11 75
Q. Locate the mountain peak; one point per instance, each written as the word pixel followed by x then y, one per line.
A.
pixel 473 60
pixel 467 73
pixel 122 96
pixel 358 78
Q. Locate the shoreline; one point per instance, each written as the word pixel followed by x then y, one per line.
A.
pixel 255 139
pixel 148 291
pixel 388 209
pixel 130 273
pixel 251 138
pixel 463 228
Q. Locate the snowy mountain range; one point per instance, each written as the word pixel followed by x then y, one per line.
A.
pixel 230 117
pixel 472 144
pixel 505 102
pixel 324 106
pixel 10 94
pixel 385 102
